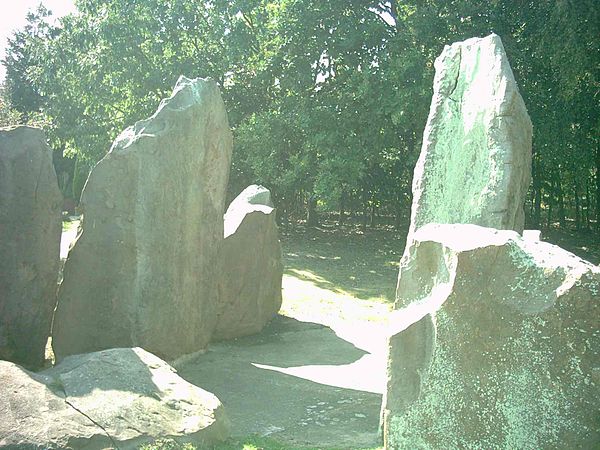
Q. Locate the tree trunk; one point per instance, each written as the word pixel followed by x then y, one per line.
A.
pixel 342 206
pixel 577 206
pixel 587 204
pixel 372 213
pixel 537 194
pixel 560 198
pixel 365 210
pixel 312 219
pixel 598 184
pixel 550 206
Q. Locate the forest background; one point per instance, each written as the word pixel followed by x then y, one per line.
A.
pixel 327 99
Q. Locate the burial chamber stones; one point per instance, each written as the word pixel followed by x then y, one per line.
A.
pixel 119 398
pixel 142 270
pixel 30 228
pixel 250 266
pixel 475 161
pixel 499 346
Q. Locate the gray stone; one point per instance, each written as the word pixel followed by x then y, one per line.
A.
pixel 30 227
pixel 254 194
pixel 250 266
pixel 141 272
pixel 475 162
pixel 119 398
pixel 498 346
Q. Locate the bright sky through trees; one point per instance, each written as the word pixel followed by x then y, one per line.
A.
pixel 13 16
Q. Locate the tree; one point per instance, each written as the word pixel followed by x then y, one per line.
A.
pixel 327 100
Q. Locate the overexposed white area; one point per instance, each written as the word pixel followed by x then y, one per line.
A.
pixel 13 16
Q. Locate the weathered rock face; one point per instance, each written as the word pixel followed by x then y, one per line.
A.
pixel 30 227
pixel 250 267
pixel 141 272
pixel 475 162
pixel 500 347
pixel 119 398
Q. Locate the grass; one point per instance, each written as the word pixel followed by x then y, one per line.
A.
pixel 334 274
pixel 69 223
pixel 248 443
pixel 363 266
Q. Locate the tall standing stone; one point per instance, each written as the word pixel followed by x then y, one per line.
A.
pixel 250 266
pixel 475 162
pixel 494 341
pixel 141 272
pixel 30 227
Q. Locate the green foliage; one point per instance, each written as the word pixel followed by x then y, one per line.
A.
pixel 167 444
pixel 326 99
pixel 80 175
pixel 249 443
pixel 8 115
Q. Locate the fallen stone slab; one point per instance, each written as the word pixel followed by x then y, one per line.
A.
pixel 475 162
pixel 142 270
pixel 30 229
pixel 119 398
pixel 495 344
pixel 250 266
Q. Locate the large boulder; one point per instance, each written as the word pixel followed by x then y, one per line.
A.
pixel 475 162
pixel 499 346
pixel 141 272
pixel 250 266
pixel 119 398
pixel 30 227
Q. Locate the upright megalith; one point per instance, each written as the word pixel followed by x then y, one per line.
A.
pixel 250 266
pixel 498 348
pixel 30 227
pixel 475 162
pixel 494 339
pixel 141 272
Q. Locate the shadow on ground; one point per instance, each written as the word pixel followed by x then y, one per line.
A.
pixel 362 265
pixel 297 382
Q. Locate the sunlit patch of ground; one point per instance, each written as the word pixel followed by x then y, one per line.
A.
pixel 69 233
pixel 310 297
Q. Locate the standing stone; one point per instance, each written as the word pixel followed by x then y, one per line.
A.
pixel 475 162
pixel 498 348
pixel 30 227
pixel 141 272
pixel 250 266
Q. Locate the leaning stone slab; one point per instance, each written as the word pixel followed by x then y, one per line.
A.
pixel 141 272
pixel 475 161
pixel 119 398
pixel 250 266
pixel 498 346
pixel 30 227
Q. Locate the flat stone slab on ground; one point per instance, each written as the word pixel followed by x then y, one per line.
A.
pixel 249 376
pixel 119 398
